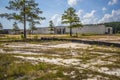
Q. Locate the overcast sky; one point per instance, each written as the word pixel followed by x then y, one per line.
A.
pixel 89 11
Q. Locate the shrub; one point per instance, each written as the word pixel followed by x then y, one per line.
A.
pixel 35 37
pixel 22 36
pixel 59 74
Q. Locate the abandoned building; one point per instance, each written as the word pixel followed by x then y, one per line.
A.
pixel 86 29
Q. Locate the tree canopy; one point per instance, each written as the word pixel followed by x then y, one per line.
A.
pixel 51 24
pixel 32 26
pixel 70 17
pixel 15 27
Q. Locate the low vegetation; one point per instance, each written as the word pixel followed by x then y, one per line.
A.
pixel 41 60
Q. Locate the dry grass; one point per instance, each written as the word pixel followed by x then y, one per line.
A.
pixel 37 61
pixel 108 38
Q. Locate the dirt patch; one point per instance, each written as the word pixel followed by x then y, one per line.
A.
pixel 57 61
pixel 66 45
pixel 71 45
pixel 76 55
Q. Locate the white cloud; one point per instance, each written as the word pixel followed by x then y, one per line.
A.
pixel 114 16
pixel 56 19
pixel 112 2
pixel 73 2
pixel 79 13
pixel 92 20
pixel 89 18
pixel 104 8
pixel 89 15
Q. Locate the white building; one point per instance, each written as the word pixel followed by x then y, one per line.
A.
pixel 92 29
pixel 109 30
pixel 86 29
pixel 42 30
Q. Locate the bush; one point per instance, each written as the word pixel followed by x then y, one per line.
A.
pixel 22 36
pixel 35 37
pixel 59 74
pixel 88 34
pixel 10 70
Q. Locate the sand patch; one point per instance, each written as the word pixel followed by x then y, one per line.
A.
pixel 105 70
pixel 71 45
pixel 1 51
pixel 57 61
pixel 66 45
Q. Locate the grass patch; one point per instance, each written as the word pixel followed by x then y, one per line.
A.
pixel 13 68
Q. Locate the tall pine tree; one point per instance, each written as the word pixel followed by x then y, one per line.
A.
pixel 23 11
pixel 51 26
pixel 70 17
pixel 15 27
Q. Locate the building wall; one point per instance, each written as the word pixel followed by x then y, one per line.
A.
pixel 86 29
pixel 89 29
pixel 109 30
pixel 42 31
pixel 0 28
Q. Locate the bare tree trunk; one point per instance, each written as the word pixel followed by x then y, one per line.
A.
pixel 24 21
pixel 76 33
pixel 70 30
pixel 32 31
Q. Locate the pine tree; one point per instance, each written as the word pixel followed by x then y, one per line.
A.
pixel 25 9
pixel 51 26
pixel 15 27
pixel 70 17
pixel 32 26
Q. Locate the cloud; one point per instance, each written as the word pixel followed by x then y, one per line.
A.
pixel 79 13
pixel 104 8
pixel 89 15
pixel 92 20
pixel 73 2
pixel 89 18
pixel 112 2
pixel 56 19
pixel 114 16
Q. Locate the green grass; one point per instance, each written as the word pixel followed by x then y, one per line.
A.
pixel 9 69
pixel 13 68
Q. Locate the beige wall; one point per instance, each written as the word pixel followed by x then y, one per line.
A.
pixel 42 31
pixel 86 29
pixel 91 29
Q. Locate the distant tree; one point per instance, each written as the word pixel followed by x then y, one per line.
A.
pixel 24 10
pixel 32 26
pixel 15 27
pixel 70 17
pixel 51 26
pixel 77 25
pixel 1 26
